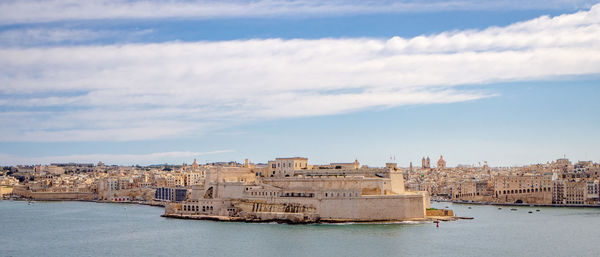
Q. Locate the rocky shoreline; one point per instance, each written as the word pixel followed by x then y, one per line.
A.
pixel 317 221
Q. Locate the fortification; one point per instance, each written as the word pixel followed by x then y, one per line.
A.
pixel 290 190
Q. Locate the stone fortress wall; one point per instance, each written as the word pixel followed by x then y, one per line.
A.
pixel 241 193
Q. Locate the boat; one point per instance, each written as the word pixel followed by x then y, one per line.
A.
pixel 537 210
pixel 529 212
pixel 499 208
pixel 513 209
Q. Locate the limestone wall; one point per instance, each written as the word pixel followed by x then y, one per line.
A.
pixel 362 208
pixel 397 207
pixel 61 196
pixel 533 198
pixel 439 212
pixel 333 183
pixel 262 206
pixel 5 190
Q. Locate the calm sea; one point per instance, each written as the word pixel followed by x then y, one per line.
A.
pixel 103 229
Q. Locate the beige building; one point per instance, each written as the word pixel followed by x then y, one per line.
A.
pixel 193 178
pixel 524 188
pixel 285 167
pixel 575 192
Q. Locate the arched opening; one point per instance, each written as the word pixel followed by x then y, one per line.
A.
pixel 209 193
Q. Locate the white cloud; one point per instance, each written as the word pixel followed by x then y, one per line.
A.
pixel 27 11
pixel 119 159
pixel 52 36
pixel 175 89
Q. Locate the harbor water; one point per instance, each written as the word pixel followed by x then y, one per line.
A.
pixel 105 229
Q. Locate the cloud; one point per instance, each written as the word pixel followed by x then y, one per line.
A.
pixel 176 89
pixel 36 11
pixel 55 36
pixel 119 159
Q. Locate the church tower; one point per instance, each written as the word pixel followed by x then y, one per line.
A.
pixel 195 165
pixel 441 164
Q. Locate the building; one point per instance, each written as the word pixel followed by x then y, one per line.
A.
pixel 441 164
pixel 592 196
pixel 285 167
pixel 524 188
pixel 558 192
pixel 170 194
pixel 575 192
pixel 195 165
pixel 425 163
pixel 193 178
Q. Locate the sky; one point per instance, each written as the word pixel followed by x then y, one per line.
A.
pixel 150 82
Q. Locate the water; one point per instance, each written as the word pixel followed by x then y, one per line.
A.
pixel 104 229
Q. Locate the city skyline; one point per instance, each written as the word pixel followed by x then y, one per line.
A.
pixel 336 81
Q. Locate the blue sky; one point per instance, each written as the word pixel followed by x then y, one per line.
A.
pixel 119 82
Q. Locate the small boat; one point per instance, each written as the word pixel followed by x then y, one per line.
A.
pixel 529 212
pixel 469 207
pixel 499 208
pixel 537 210
pixel 513 209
